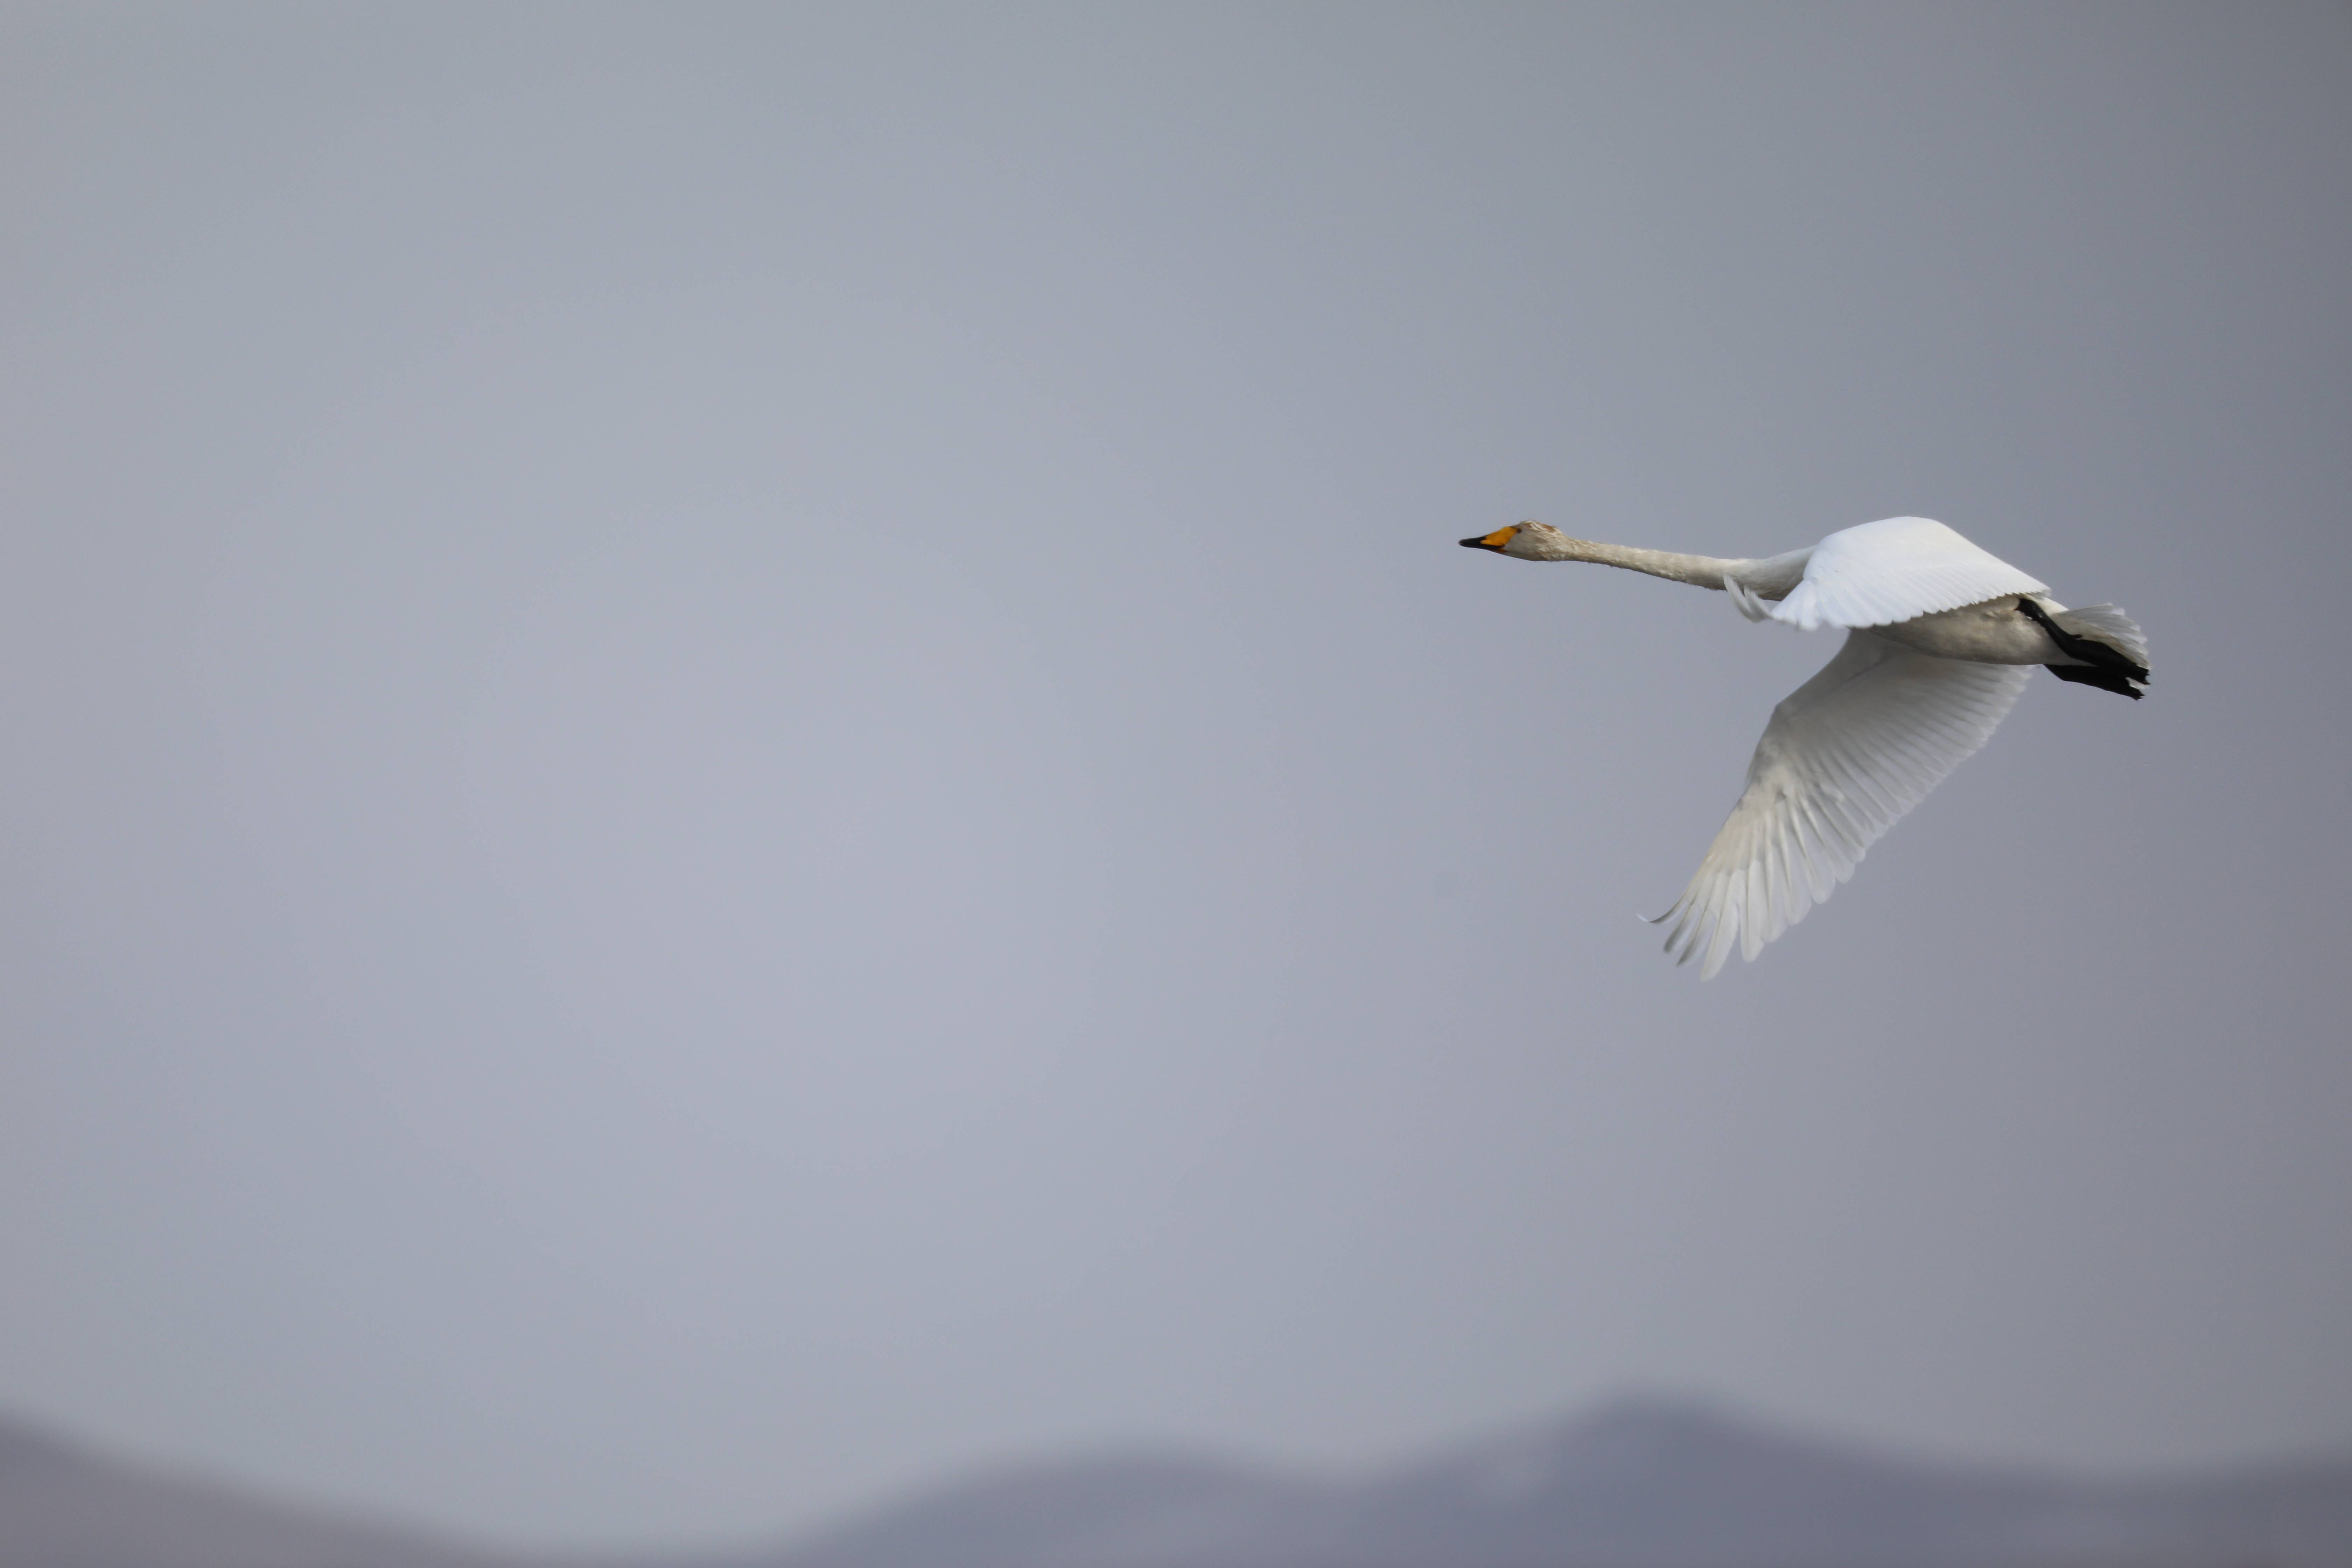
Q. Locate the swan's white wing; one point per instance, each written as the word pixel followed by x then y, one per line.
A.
pixel 1893 570
pixel 1845 756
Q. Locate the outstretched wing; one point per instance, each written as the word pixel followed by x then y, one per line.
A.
pixel 1893 570
pixel 1845 756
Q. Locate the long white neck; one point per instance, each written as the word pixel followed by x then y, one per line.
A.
pixel 1768 577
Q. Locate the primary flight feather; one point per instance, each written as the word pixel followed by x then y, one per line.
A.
pixel 1941 638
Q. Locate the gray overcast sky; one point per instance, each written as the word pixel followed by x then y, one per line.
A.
pixel 746 754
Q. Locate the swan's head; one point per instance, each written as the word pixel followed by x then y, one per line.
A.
pixel 1528 541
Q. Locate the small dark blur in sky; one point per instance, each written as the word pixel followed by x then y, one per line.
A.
pixel 745 756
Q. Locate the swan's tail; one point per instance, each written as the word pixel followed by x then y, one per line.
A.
pixel 2110 625
pixel 2111 647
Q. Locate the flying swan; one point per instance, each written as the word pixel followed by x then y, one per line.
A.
pixel 1941 638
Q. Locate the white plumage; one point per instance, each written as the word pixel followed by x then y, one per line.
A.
pixel 1941 638
pixel 1845 756
pixel 1893 570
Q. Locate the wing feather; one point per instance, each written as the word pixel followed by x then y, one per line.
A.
pixel 1844 757
pixel 1893 570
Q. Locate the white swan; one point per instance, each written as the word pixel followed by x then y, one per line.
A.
pixel 1941 638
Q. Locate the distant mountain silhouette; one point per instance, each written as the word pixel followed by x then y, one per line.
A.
pixel 1103 1513
pixel 1640 1484
pixel 62 1507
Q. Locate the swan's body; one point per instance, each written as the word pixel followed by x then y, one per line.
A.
pixel 1941 638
